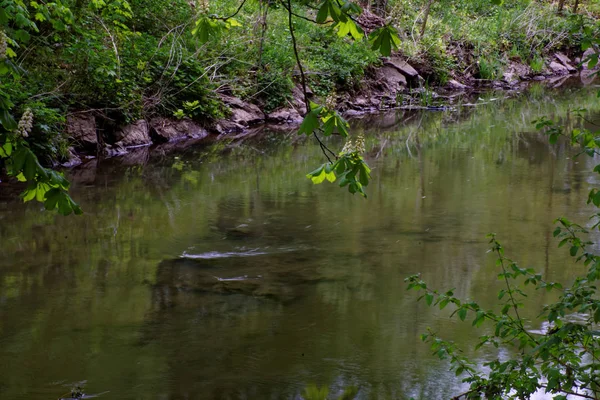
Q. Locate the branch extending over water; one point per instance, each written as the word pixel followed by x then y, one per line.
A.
pixel 291 14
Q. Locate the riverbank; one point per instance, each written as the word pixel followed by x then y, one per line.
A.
pixel 395 84
pixel 101 79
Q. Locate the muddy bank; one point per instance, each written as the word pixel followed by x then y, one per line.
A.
pixel 395 84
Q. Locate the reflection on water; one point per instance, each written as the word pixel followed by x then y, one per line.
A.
pixel 231 276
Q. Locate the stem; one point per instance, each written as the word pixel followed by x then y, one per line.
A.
pixel 510 292
pixel 302 16
pixel 296 55
pixel 235 13
pixel 324 148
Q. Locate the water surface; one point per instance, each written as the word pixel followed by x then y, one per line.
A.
pixel 225 274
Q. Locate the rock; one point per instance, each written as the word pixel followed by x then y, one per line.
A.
pixel 73 159
pixel 285 116
pixel 298 99
pixel 226 126
pixel 539 78
pixel 167 130
pixel 588 76
pixel 517 71
pixel 369 21
pixel 558 81
pixel 564 60
pixel 114 150
pixel 510 77
pixel 558 69
pixel 456 85
pixel 243 113
pixel 82 129
pixel 136 134
pixel 394 79
pixel 360 101
pixel 405 68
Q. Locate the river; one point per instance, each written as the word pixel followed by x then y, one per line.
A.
pixel 221 272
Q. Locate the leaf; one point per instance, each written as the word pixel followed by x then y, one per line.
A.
pixel 57 198
pixel 349 27
pixel 205 28
pixel 323 12
pixel 7 120
pixel 384 39
pixel 462 314
pixel 365 174
pixel 3 16
pixel 429 299
pixel 311 122
pixel 351 8
pixel 231 22
pixel 330 176
pixel 22 35
pixel 573 250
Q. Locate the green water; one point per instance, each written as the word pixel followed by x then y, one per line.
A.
pixel 225 274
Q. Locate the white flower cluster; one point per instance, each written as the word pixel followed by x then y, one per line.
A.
pixel 203 6
pixel 26 123
pixel 331 101
pixel 357 145
pixel 3 45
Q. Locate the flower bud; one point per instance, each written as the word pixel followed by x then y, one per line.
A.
pixel 3 45
pixel 203 6
pixel 25 123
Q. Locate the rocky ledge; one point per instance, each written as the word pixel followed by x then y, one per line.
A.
pixel 394 84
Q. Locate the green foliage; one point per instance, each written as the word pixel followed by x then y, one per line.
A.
pixel 44 185
pixel 323 119
pixel 563 359
pixel 384 39
pixel 489 69
pixel 537 64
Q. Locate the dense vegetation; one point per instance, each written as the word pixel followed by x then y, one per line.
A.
pixel 134 59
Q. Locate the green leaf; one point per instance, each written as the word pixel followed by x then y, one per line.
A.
pixel 323 12
pixel 207 27
pixel 3 16
pixel 57 198
pixel 350 27
pixel 7 120
pixel 384 39
pixel 573 250
pixel 429 299
pixel 330 176
pixel 311 122
pixel 316 179
pixel 462 314
pixel 365 174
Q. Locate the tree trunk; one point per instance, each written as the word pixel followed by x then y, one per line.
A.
pixel 561 5
pixel 575 6
pixel 426 16
pixel 262 26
